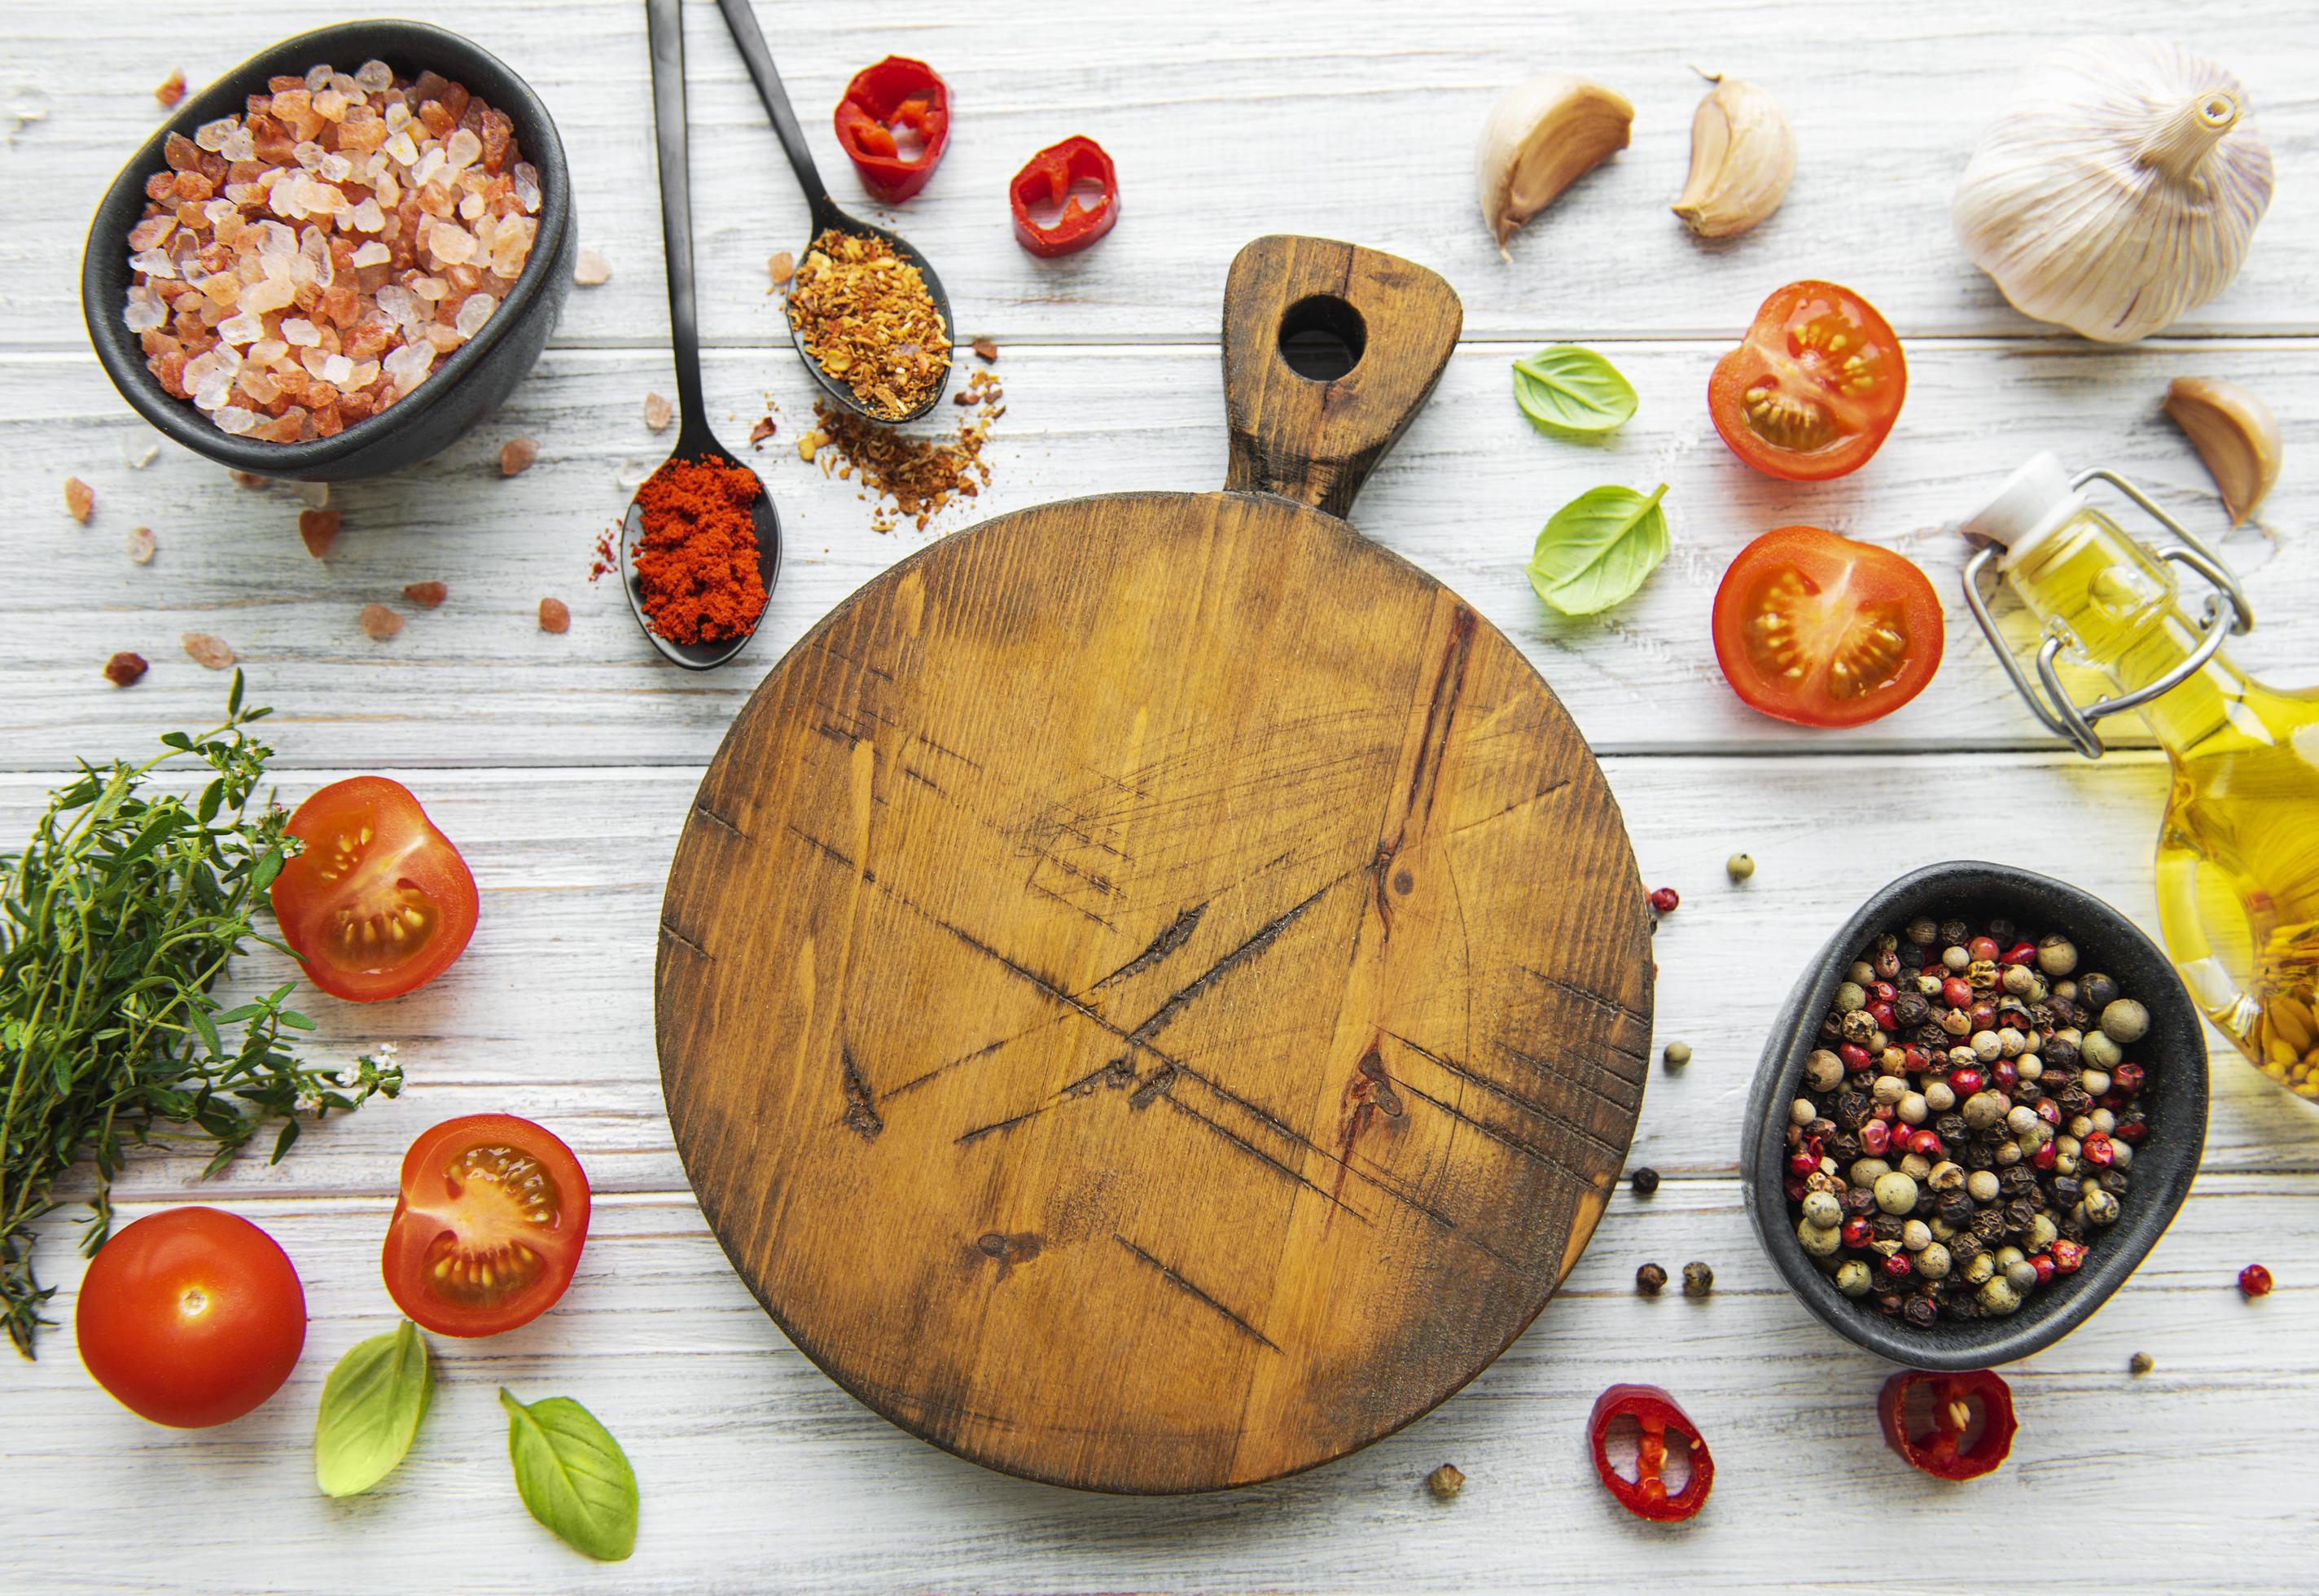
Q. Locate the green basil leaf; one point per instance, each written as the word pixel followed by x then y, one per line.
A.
pixel 1598 548
pixel 572 1475
pixel 1567 389
pixel 372 1405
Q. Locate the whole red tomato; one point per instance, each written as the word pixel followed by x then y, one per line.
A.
pixel 380 903
pixel 191 1318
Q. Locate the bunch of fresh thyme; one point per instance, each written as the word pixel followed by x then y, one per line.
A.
pixel 116 921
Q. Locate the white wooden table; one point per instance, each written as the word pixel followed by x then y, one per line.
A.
pixel 562 765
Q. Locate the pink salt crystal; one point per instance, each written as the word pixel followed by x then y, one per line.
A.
pixel 473 312
pixel 152 231
pixel 141 545
pixel 79 499
pixel 208 650
pixel 379 623
pixel 318 529
pixel 450 244
pixel 555 616
pixel 657 413
pixel 517 454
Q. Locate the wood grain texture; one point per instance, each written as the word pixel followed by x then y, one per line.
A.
pixel 1154 992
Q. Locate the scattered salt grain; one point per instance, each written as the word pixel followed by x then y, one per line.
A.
pixel 314 495
pixel 152 452
pixel 79 499
pixel 208 650
pixel 171 90
pixel 319 529
pixel 517 454
pixel 379 623
pixel 555 616
pixel 591 269
pixel 657 413
pixel 141 545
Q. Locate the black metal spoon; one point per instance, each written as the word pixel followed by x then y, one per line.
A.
pixel 743 21
pixel 665 28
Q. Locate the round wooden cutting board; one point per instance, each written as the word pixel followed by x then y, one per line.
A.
pixel 1154 992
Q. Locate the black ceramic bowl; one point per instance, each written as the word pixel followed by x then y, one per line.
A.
pixel 460 390
pixel 2174 1097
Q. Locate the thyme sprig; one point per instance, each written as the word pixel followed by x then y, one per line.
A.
pixel 117 920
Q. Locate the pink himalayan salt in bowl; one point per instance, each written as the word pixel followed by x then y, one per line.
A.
pixel 240 384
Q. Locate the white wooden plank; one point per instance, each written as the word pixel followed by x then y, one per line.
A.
pixel 758 1473
pixel 1228 121
pixel 1462 495
pixel 549 1011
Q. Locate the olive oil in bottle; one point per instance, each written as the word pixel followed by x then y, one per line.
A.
pixel 2238 849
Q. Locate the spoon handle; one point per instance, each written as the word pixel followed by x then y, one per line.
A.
pixel 665 26
pixel 743 21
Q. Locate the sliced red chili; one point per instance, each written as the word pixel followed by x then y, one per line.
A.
pixel 897 92
pixel 1655 1414
pixel 1941 1451
pixel 1047 179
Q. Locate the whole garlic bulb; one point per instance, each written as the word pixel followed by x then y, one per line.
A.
pixel 2119 188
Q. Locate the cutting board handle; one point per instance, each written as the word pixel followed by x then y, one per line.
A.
pixel 1311 439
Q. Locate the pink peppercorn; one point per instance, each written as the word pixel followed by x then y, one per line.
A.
pixel 1855 1056
pixel 1964 1083
pixel 1665 900
pixel 1899 1265
pixel 2044 1157
pixel 1875 1138
pixel 2067 1255
pixel 1925 1143
pixel 2128 1078
pixel 2045 1264
pixel 1957 992
pixel 1981 948
pixel 2020 953
pixel 2254 1281
pixel 1858 1231
pixel 2095 1149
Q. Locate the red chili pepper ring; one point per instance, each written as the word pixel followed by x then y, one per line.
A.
pixel 896 91
pixel 1654 1413
pixel 1940 1451
pixel 1046 178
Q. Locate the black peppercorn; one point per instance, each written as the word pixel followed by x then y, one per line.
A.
pixel 2075 1100
pixel 2115 1181
pixel 1857 1200
pixel 1911 1010
pixel 2067 1190
pixel 2019 1215
pixel 1979 1155
pixel 1853 1109
pixel 2027 1092
pixel 1955 933
pixel 1951 1129
pixel 1921 1311
pixel 2058 1054
pixel 1963 1247
pixel 2000 930
pixel 1650 1279
pixel 1887 1227
pixel 1988 1223
pixel 2073 1224
pixel 1844 1147
pixel 1956 1209
pixel 2017 1180
pixel 2042 1018
pixel 1831 1025
pixel 1820 1130
pixel 1644 1181
pixel 2097 992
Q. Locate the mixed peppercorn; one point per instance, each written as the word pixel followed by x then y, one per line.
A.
pixel 1969 1125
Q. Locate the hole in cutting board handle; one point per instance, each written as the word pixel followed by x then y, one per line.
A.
pixel 1321 338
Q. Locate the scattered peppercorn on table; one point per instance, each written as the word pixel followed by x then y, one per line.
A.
pixel 563 762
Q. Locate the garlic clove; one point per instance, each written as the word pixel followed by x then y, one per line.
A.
pixel 2234 434
pixel 1743 157
pixel 1542 136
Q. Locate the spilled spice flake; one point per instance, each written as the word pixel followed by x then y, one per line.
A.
pixel 171 88
pixel 555 616
pixel 781 268
pixel 986 350
pixel 605 556
pixel 657 413
pixel 911 479
pixel 763 430
pixel 427 595
pixel 320 528
pixel 79 499
pixel 379 623
pixel 249 479
pixel 591 269
pixel 208 650
pixel 517 454
pixel 141 545
pixel 124 669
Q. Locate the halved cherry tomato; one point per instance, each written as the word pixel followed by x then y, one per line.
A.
pixel 380 903
pixel 1823 631
pixel 1815 386
pixel 489 1227
pixel 191 1317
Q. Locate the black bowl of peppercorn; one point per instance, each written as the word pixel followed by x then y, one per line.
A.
pixel 1956 1159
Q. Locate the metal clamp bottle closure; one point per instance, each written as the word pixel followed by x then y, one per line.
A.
pixel 2228 613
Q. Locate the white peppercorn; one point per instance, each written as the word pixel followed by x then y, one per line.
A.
pixel 2009 1152
pixel 1933 1262
pixel 1981 1186
pixel 1939 1097
pixel 2029 1067
pixel 2099 1050
pixel 2011 1042
pixel 1915 1166
pixel 2100 1207
pixel 1862 972
pixel 2021 1277
pixel 1823 1209
pixel 1888 1089
pixel 1912 1109
pixel 1981 1267
pixel 1896 1193
pixel 1915 1235
pixel 1739 867
pixel 1867 1172
pixel 1819 1240
pixel 1986 1047
pixel 1853 1279
pixel 2042 1233
pixel 1996 1294
pixel 2104 1121
pixel 1803 1111
pixel 1823 1071
pixel 2125 1021
pixel 2095 1081
pixel 2008 1255
pixel 2057 956
pixel 1850 996
pixel 1983 1109
pixel 2018 979
pixel 1947 1175
pixel 1955 959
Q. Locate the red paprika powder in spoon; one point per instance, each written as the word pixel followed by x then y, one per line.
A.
pixel 697 560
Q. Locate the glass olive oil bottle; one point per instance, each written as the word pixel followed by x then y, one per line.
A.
pixel 2238 851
